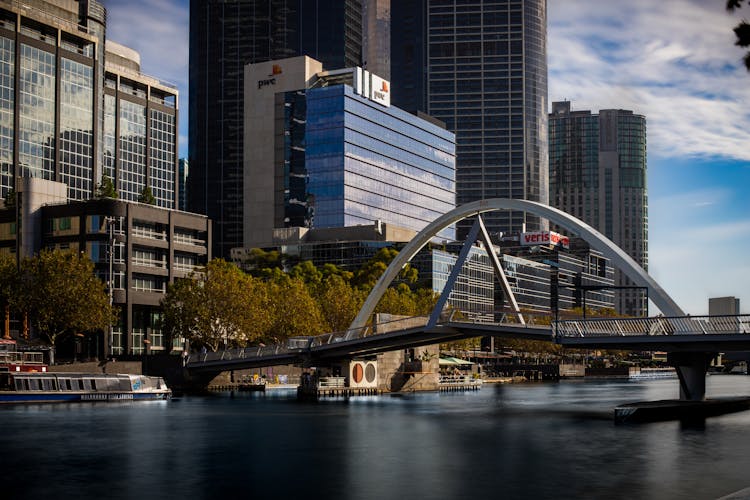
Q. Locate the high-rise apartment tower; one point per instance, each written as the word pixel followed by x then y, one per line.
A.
pixel 598 174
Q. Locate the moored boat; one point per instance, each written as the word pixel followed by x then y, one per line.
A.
pixel 38 387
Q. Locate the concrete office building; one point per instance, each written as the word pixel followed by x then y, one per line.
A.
pixel 598 174
pixel 480 67
pixel 723 306
pixel 224 37
pixel 73 109
pixel 147 247
pixel 324 149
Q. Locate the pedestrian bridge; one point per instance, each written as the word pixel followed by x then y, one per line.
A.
pixel 690 341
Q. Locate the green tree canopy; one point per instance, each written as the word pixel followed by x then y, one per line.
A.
pixel 8 284
pixel 106 188
pixel 10 198
pixel 147 196
pixel 215 304
pixel 260 262
pixel 369 274
pixel 62 295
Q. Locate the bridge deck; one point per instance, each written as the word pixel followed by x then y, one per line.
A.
pixel 699 333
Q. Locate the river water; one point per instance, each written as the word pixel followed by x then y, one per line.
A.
pixel 534 440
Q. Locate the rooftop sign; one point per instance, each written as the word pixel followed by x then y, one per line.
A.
pixel 372 86
pixel 542 238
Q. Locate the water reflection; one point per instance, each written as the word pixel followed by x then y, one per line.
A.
pixel 515 441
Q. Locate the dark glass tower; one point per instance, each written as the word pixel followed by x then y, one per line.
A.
pixel 224 37
pixel 481 67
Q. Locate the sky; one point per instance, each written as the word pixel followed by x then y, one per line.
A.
pixel 673 61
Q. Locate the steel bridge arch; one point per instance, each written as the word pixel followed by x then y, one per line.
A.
pixel 617 256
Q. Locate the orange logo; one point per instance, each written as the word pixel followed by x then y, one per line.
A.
pixel 276 70
pixel 385 87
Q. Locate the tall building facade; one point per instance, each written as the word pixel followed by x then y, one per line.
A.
pixel 598 174
pixel 324 149
pixel 224 37
pixel 73 108
pixel 481 67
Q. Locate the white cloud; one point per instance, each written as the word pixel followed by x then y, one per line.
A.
pixel 159 31
pixel 673 61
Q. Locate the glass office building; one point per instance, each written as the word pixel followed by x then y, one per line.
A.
pixel 481 66
pixel 366 162
pixel 598 174
pixel 73 108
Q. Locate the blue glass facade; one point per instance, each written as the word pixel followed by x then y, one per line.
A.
pixel 366 162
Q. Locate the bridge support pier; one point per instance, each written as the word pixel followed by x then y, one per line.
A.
pixel 691 369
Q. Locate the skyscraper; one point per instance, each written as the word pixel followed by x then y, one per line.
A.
pixel 481 67
pixel 224 37
pixel 598 174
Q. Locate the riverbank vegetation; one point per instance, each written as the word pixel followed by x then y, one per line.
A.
pixel 56 292
pixel 223 305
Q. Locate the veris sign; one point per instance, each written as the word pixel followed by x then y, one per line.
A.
pixel 550 238
pixel 271 80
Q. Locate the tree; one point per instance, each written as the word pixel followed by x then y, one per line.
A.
pixel 8 284
pixel 741 31
pixel 339 302
pixel 369 274
pixel 216 305
pixel 259 262
pixel 62 295
pixel 294 311
pixel 10 199
pixel 106 188
pixel 147 196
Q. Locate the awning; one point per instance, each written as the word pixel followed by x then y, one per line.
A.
pixel 454 361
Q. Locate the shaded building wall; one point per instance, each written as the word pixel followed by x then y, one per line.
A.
pixel 481 69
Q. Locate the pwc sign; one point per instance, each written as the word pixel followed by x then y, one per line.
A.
pixel 543 238
pixel 271 80
pixel 380 91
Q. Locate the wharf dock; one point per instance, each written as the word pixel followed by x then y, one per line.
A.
pixel 455 383
pixel 238 386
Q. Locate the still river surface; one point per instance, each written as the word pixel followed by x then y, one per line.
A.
pixel 536 440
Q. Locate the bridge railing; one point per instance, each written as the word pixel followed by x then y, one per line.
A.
pixel 501 317
pixel 240 353
pixel 659 325
pixel 303 343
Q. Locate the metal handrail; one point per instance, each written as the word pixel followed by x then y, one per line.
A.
pixel 341 336
pixel 658 325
